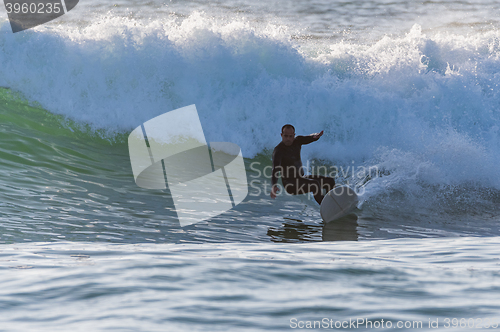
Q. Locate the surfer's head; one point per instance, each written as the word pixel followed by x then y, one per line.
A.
pixel 288 134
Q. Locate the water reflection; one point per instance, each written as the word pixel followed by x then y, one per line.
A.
pixel 296 230
pixel 343 229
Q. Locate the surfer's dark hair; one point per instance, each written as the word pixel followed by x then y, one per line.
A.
pixel 287 126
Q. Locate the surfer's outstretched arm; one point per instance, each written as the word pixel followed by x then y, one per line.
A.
pixel 317 135
pixel 309 138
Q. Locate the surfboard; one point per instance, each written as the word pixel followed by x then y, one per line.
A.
pixel 339 202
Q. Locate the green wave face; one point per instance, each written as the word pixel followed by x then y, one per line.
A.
pixel 59 180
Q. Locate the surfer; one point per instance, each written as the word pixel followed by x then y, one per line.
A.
pixel 286 159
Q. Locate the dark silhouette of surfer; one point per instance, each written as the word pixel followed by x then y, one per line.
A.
pixel 286 159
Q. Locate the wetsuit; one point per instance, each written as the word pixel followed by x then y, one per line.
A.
pixel 286 159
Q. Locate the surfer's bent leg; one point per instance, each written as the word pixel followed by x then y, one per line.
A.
pixel 325 182
pixel 303 185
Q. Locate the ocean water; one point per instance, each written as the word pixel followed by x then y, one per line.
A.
pixel 407 95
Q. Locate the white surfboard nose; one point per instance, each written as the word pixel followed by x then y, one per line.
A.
pixel 339 202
